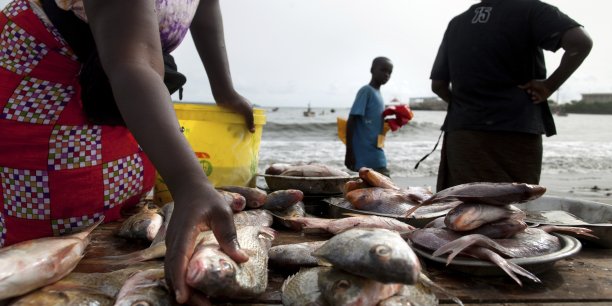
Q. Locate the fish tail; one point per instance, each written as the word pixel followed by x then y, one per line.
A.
pixel 430 284
pixel 511 268
pixel 460 244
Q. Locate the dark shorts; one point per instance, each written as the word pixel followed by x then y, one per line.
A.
pixel 479 156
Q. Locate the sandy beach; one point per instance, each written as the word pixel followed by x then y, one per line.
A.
pixel 591 187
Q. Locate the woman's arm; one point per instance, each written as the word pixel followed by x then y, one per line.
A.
pixel 207 32
pixel 127 37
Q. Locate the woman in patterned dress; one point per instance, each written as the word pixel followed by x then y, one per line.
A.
pixel 60 171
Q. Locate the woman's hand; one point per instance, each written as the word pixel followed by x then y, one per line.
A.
pixel 240 105
pixel 194 212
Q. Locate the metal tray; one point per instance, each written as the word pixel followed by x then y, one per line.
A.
pixel 595 216
pixel 537 264
pixel 331 185
pixel 340 207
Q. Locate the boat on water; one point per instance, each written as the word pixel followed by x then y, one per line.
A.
pixel 308 112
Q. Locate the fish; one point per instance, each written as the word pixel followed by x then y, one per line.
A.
pixel 373 253
pixel 145 288
pixel 253 217
pixel 255 197
pixel 32 264
pixel 341 288
pixel 282 199
pixel 376 179
pixel 417 294
pixel 83 288
pixel 353 185
pixel 505 228
pixel 302 288
pixel 294 211
pixel 528 243
pixel 500 194
pixel 380 200
pixel 157 249
pixel 214 273
pixel 235 201
pixel 432 239
pixel 142 225
pixel 277 168
pixel 313 170
pixel 322 286
pixel 469 216
pixel 293 256
pixel 336 226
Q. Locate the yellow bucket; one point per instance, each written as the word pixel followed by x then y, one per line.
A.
pixel 227 151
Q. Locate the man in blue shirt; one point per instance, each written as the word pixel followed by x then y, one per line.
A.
pixel 364 128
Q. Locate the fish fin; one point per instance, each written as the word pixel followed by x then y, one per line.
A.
pixel 509 267
pixel 431 285
pixel 583 231
pixel 411 210
pixel 460 244
pixel 86 231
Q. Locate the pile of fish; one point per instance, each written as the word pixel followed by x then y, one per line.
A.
pixel 366 259
pixel 360 266
pixel 374 192
pixel 486 225
pixel 304 170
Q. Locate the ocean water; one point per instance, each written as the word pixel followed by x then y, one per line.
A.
pixel 582 144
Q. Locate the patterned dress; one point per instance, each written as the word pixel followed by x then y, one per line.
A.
pixel 58 173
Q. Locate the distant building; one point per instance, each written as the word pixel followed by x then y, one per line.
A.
pixel 596 98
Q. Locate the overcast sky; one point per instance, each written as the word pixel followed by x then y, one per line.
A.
pixel 295 52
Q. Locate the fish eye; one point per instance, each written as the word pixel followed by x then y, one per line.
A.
pixel 381 250
pixel 342 284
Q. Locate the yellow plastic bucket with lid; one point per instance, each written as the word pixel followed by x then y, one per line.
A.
pixel 227 151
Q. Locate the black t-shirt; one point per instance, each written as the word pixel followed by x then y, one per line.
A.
pixel 487 52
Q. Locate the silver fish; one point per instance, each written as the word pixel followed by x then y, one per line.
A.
pixel 302 288
pixel 342 288
pixel 412 295
pixel 294 256
pixel 142 225
pixel 469 216
pixel 490 193
pixel 378 254
pixel 336 226
pixel 98 289
pixel 157 249
pixel 213 272
pixel 433 238
pixel 32 264
pixel 145 288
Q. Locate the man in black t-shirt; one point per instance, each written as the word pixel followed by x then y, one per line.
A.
pixel 490 69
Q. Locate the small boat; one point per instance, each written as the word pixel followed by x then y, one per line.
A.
pixel 275 109
pixel 309 112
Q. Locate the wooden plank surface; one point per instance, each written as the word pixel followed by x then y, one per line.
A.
pixel 584 279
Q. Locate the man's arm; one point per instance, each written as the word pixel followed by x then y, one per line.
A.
pixel 576 44
pixel 441 89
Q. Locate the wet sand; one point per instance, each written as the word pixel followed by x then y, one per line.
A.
pixel 592 187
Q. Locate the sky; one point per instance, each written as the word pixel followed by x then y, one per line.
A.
pixel 296 52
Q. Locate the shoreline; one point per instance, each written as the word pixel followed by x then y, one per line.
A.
pixel 595 187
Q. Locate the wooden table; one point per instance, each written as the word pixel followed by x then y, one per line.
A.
pixel 584 279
